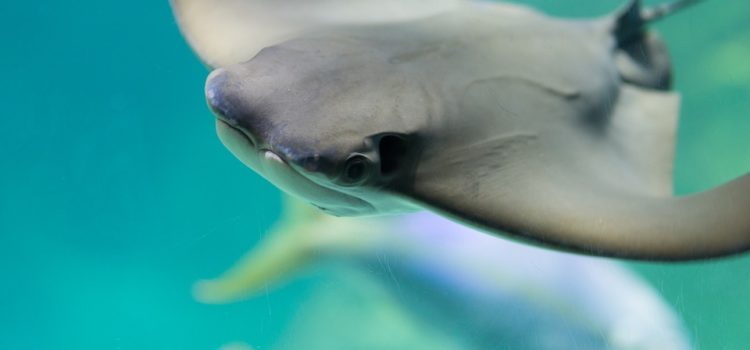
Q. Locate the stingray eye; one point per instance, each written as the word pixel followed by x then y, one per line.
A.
pixel 356 170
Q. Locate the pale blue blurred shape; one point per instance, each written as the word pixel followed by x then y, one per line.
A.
pixel 424 279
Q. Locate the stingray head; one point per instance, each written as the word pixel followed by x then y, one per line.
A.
pixel 327 120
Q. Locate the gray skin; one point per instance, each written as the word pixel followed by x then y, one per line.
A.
pixel 551 131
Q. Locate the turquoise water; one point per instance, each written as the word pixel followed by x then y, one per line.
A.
pixel 115 194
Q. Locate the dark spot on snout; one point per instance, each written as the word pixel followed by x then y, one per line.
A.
pixel 310 164
pixel 216 97
pixel 316 164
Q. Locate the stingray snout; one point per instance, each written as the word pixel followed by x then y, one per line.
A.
pixel 231 102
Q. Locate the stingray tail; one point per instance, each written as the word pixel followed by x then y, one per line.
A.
pixel 631 20
pixel 643 59
pixel 658 12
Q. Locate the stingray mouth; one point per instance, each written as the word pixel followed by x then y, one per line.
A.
pixel 267 154
pixel 276 169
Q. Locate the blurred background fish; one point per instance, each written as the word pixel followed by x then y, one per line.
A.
pixel 479 292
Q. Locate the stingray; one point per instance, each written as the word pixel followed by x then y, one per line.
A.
pixel 552 131
pixel 478 291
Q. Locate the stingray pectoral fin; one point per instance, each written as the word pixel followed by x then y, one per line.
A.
pixel 225 32
pixel 547 207
pixel 590 184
